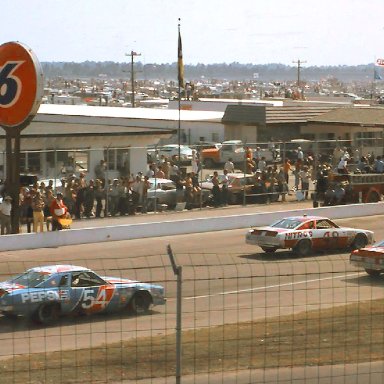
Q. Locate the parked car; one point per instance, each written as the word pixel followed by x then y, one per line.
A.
pixel 236 184
pixel 171 151
pixel 27 179
pixel 164 191
pixel 200 145
pixel 44 293
pixel 303 234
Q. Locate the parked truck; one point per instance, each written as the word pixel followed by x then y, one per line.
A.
pixel 230 149
pixel 357 187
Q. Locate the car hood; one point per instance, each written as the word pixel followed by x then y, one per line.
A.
pixel 8 287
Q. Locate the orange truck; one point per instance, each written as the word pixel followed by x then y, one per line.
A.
pixel 231 149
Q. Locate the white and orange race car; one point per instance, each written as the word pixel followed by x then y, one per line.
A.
pixel 369 258
pixel 303 234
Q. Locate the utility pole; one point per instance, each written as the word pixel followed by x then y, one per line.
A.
pixel 132 54
pixel 298 62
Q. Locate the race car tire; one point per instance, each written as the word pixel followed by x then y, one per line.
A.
pixel 47 314
pixel 268 250
pixel 140 303
pixel 360 241
pixel 303 248
pixel 373 272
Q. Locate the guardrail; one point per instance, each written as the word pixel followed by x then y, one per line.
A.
pixel 176 227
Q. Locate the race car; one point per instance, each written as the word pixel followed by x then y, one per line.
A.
pixel 303 234
pixel 44 293
pixel 369 258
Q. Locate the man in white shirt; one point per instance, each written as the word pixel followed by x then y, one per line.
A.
pixel 300 154
pixel 342 166
pixel 229 166
pixel 5 215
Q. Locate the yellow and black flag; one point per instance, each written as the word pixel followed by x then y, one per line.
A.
pixel 180 65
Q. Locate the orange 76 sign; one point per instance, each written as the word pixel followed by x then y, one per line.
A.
pixel 21 84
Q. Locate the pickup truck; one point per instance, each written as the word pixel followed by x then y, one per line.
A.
pixel 233 149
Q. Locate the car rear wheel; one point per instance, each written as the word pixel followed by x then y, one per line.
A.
pixel 140 303
pixel 268 250
pixel 303 248
pixel 360 241
pixel 47 314
pixel 373 272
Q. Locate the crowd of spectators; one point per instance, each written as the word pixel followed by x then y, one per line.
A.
pixel 101 197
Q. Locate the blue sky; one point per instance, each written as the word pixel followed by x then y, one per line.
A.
pixel 326 32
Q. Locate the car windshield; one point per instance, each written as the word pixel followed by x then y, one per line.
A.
pixel 31 279
pixel 164 185
pixel 379 244
pixel 287 224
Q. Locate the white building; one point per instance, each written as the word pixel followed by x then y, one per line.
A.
pixel 62 137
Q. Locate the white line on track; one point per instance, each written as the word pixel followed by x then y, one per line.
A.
pixel 271 286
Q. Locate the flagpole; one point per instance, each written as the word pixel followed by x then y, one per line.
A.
pixel 374 78
pixel 180 76
pixel 179 104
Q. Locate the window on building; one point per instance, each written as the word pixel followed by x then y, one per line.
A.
pixel 30 162
pixel 215 137
pixel 369 139
pixel 116 158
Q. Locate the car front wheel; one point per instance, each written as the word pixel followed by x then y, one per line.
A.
pixel 373 272
pixel 140 303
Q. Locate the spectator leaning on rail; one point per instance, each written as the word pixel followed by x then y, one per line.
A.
pixel 38 212
pixel 5 215
pixel 305 176
pixel 58 211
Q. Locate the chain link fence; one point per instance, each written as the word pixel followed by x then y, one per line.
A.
pixel 244 318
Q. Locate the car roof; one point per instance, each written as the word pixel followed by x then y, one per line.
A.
pixel 237 175
pixel 59 268
pixel 306 218
pixel 159 180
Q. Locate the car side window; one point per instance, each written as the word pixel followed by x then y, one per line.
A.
pixel 323 224
pixel 307 225
pixel 63 281
pixel 86 279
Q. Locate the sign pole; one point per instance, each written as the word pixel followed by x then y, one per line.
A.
pixel 13 175
pixel 21 86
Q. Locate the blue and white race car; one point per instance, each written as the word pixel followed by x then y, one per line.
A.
pixel 45 293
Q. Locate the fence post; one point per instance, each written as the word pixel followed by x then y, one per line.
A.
pixel 177 270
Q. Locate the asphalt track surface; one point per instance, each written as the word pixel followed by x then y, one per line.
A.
pixel 296 282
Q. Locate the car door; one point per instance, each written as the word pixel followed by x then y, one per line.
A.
pixel 327 235
pixel 85 292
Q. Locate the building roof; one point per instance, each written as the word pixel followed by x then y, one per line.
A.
pixel 79 120
pixel 253 115
pixel 125 113
pixel 362 116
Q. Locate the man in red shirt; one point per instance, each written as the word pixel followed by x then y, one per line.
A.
pixel 58 211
